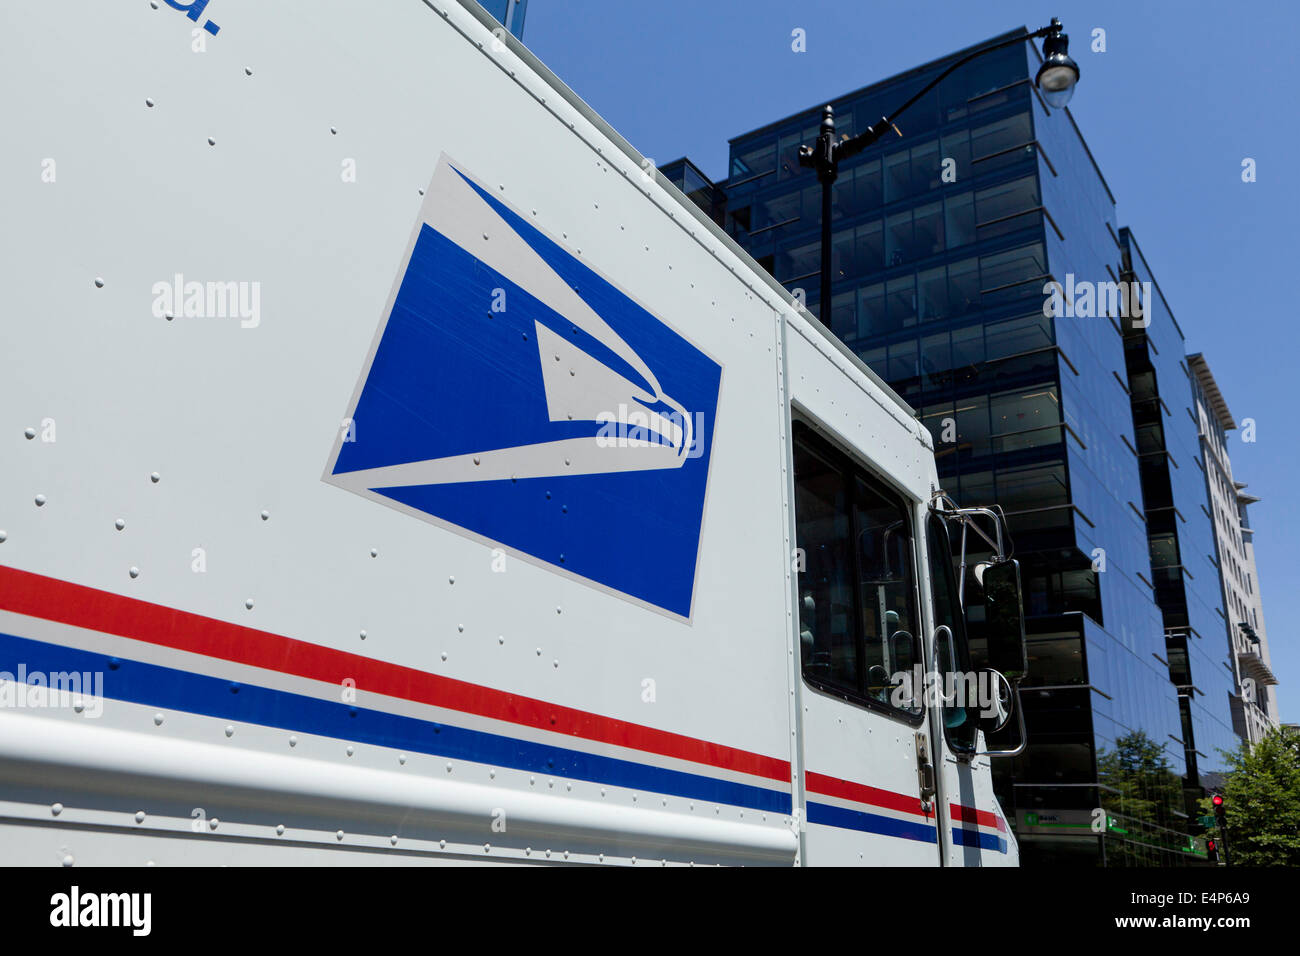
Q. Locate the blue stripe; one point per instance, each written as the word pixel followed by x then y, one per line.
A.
pixel 978 838
pixel 870 823
pixel 171 689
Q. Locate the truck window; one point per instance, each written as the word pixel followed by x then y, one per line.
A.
pixel 857 585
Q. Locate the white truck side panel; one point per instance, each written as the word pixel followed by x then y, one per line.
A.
pixel 239 420
pixel 282 670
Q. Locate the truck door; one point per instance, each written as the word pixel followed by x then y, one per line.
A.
pixel 865 740
pixel 974 831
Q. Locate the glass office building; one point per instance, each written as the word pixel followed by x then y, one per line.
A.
pixel 945 239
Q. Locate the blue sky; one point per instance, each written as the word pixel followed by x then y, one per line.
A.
pixel 1184 92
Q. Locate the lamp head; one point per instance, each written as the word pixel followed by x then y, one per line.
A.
pixel 1059 74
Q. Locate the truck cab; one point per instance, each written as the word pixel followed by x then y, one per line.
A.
pixel 900 690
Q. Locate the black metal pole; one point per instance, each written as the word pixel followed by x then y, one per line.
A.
pixel 823 159
pixel 1221 818
pixel 828 183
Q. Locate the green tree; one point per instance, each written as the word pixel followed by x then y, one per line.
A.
pixel 1142 792
pixel 1143 785
pixel 1261 800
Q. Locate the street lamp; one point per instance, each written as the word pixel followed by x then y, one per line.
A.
pixel 1056 80
pixel 1058 75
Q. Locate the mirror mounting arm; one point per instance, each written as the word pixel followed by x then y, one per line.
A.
pixel 1024 737
pixel 967 517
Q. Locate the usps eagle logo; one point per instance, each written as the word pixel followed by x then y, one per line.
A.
pixel 515 395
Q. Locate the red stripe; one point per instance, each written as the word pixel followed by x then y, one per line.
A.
pixel 973 815
pixel 38 596
pixel 861 793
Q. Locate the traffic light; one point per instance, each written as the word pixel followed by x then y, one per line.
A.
pixel 1221 824
pixel 1212 851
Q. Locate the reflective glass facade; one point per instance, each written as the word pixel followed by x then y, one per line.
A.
pixel 1184 566
pixel 945 239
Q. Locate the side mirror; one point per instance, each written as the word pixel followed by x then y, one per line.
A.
pixel 1006 658
pixel 1004 620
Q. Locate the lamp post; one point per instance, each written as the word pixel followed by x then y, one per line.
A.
pixel 1056 80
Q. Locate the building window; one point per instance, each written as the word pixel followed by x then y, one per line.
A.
pixel 1025 419
pixel 756 160
pixel 963 286
pixel 1007 208
pixel 898 178
pixel 1007 275
pixel 959 219
pixel 992 144
pixel 1018 336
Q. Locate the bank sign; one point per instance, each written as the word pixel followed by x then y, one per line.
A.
pixel 516 396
